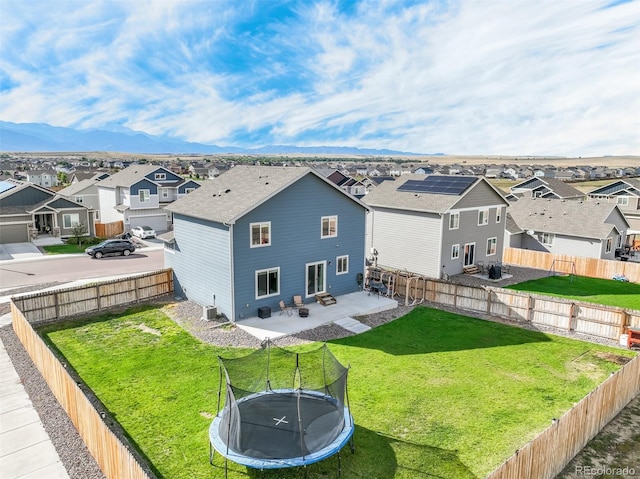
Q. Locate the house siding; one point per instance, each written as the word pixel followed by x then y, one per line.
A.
pixel 470 232
pixel 26 196
pixel 405 240
pixel 107 199
pixel 201 262
pixel 481 194
pixel 295 215
pixel 134 198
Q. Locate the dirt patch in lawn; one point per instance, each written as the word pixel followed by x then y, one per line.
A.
pixel 614 452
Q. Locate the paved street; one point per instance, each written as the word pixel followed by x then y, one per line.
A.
pixel 49 269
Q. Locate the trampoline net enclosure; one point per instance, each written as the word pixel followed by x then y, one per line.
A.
pixel 282 408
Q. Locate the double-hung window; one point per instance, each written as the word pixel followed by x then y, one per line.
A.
pixel 498 215
pixel 70 220
pixel 547 238
pixel 260 234
pixel 342 264
pixel 267 282
pixel 492 246
pixel 608 245
pixel 623 200
pixel 483 217
pixel 329 227
pixel 455 251
pixel 454 221
pixel 144 196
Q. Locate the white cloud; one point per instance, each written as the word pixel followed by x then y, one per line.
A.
pixel 474 77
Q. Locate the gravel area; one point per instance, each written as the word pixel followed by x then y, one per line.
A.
pixel 4 307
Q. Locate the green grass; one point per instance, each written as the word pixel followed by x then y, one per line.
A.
pixel 433 394
pixel 582 288
pixel 64 248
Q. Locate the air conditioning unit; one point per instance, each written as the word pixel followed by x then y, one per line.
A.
pixel 209 312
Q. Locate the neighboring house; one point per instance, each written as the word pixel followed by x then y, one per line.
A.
pixel 48 179
pixel 78 176
pixel 84 192
pixel 27 210
pixel 138 195
pixel 435 224
pixel 257 235
pixel 626 194
pixel 549 188
pixel 591 229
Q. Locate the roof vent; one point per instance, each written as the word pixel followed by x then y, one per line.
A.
pixel 228 190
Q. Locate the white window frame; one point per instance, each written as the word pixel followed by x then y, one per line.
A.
pixel 342 264
pixel 165 193
pixel 454 221
pixel 160 176
pixel 268 271
pixel 498 215
pixel 189 190
pixel 547 238
pixel 68 220
pixel 455 251
pixel 483 217
pixel 78 199
pixel 144 196
pixel 328 220
pixel 492 246
pixel 619 242
pixel 262 243
pixel 624 202
pixel 608 245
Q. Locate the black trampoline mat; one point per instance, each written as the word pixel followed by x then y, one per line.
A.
pixel 270 426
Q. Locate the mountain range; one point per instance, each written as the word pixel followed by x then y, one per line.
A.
pixel 41 137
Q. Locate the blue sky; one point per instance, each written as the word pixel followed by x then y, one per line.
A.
pixel 509 77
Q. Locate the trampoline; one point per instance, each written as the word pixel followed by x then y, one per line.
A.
pixel 282 409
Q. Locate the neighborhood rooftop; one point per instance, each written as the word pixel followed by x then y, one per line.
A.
pixel 572 218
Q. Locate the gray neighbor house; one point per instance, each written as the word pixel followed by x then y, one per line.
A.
pixel 435 224
pixel 592 229
pixel 256 235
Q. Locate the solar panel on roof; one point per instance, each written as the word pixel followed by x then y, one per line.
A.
pixel 439 185
pixel 5 185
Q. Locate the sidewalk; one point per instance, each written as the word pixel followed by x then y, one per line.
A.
pixel 26 451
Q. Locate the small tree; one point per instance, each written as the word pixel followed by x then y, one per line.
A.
pixel 78 232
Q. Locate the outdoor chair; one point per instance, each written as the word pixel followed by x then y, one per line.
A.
pixel 297 302
pixel 285 309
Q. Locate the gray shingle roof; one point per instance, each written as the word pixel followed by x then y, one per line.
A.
pixel 386 195
pixel 77 187
pixel 572 218
pixel 228 197
pixel 128 176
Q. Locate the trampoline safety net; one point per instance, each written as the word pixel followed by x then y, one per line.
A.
pixel 281 404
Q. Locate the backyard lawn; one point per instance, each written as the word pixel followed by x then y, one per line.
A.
pixel 433 394
pixel 582 288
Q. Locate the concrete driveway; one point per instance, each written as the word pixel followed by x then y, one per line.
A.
pixel 18 251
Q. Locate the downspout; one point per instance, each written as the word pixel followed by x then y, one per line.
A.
pixel 440 258
pixel 231 272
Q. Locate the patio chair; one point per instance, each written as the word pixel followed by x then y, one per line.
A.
pixel 297 302
pixel 285 309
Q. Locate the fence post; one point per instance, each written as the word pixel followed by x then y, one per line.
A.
pixel 573 320
pixel 98 297
pixel 489 301
pixel 529 308
pixel 624 321
pixel 56 303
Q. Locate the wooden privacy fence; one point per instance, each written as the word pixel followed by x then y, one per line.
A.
pixel 114 457
pixel 94 297
pixel 587 318
pixel 109 230
pixel 592 267
pixel 548 453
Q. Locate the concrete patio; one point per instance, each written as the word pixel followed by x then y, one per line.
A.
pixel 347 308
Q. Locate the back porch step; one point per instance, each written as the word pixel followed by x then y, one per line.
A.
pixel 325 299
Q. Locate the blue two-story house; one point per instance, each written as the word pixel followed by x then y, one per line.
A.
pixel 257 235
pixel 138 195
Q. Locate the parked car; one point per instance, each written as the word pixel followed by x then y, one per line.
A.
pixel 111 247
pixel 143 232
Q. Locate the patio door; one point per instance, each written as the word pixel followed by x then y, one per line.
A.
pixel 316 278
pixel 469 254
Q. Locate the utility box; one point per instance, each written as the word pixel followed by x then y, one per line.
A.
pixel 209 312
